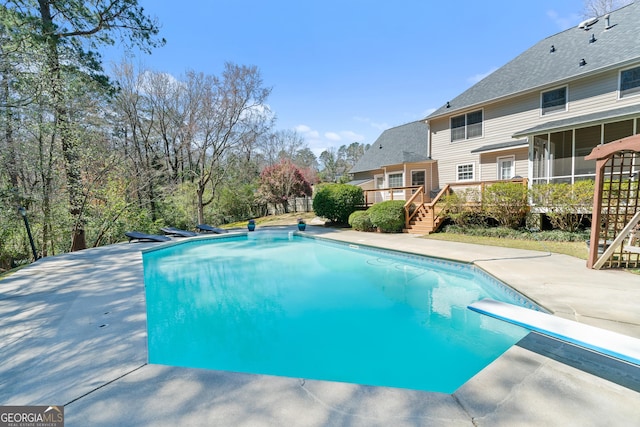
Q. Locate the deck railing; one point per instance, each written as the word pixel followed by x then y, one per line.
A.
pixel 416 196
pixel 433 205
pixel 378 195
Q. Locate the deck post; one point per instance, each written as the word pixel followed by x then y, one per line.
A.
pixel 596 213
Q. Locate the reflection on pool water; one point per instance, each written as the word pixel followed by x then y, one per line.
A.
pixel 283 304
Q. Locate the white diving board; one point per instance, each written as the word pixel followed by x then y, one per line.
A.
pixel 609 343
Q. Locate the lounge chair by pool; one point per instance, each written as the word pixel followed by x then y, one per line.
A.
pixel 172 231
pixel 136 235
pixel 209 229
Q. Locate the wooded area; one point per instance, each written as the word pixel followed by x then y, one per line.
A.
pixel 92 154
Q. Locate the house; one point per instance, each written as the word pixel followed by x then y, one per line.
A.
pixel 540 114
pixel 396 160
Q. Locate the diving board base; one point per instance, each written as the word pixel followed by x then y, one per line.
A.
pixel 609 343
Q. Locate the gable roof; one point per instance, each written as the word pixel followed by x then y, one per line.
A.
pixel 402 144
pixel 539 67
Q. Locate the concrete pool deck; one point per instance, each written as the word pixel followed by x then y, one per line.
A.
pixel 73 333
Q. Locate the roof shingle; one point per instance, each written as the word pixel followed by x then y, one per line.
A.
pixel 402 144
pixel 538 67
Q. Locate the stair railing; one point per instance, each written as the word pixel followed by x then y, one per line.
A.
pixel 408 215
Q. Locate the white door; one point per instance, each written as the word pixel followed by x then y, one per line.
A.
pixel 506 167
pixel 379 195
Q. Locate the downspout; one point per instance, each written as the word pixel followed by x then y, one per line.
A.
pixel 427 191
pixel 530 167
pixel 428 139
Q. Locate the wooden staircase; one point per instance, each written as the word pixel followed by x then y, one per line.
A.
pixel 425 220
pixel 421 217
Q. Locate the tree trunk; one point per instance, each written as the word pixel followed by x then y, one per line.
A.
pixel 10 153
pixel 200 193
pixel 62 124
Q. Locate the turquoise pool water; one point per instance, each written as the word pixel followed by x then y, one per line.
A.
pixel 293 306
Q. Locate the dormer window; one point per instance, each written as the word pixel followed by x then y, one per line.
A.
pixel 630 82
pixel 553 100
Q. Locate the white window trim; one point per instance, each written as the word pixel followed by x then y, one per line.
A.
pixel 418 170
pixel 466 138
pixel 388 181
pixel 566 101
pixel 473 172
pixel 620 83
pixel 375 180
pixel 503 158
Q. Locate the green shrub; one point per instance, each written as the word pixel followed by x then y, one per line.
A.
pixel 567 204
pixel 622 189
pixel 388 216
pixel 506 202
pixel 337 201
pixel 458 207
pixel 360 221
pixel 509 233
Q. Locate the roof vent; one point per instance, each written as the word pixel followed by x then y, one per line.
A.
pixel 593 38
pixel 583 62
pixel 448 105
pixel 607 24
pixel 553 49
pixel 586 24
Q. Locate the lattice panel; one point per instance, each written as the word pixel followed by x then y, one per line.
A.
pixel 620 201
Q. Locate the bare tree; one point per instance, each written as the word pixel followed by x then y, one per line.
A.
pixel 175 108
pixel 233 114
pixel 282 144
pixel 594 8
pixel 135 125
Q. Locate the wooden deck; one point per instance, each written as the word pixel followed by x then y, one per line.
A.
pixel 425 214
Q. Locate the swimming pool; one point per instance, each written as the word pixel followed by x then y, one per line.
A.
pixel 283 304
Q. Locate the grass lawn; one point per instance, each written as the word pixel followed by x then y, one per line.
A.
pixel 575 249
pixel 282 219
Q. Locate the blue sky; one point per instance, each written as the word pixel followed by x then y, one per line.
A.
pixel 345 70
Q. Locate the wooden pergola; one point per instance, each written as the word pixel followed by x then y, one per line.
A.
pixel 615 225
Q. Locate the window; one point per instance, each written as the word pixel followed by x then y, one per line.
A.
pixel 465 172
pixel 554 100
pixel 417 177
pixel 629 82
pixel 395 180
pixel 466 126
pixel 506 167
